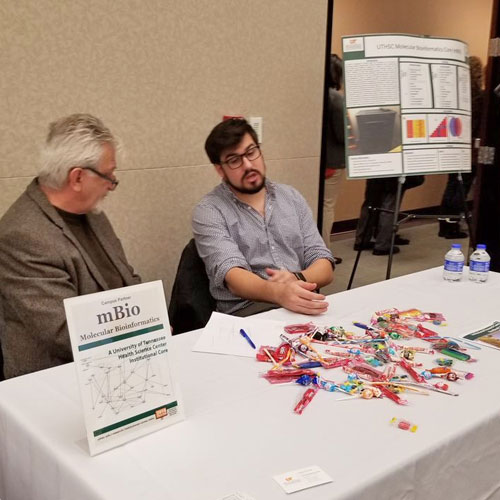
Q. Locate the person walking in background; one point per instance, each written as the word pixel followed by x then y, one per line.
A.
pixel 335 148
pixel 452 202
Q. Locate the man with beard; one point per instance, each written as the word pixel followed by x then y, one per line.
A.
pixel 56 243
pixel 258 239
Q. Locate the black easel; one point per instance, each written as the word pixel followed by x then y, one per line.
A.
pixel 406 217
pixel 467 213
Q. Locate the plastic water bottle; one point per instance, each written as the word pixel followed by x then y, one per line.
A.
pixel 454 263
pixel 479 265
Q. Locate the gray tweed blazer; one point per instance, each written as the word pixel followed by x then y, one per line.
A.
pixel 42 263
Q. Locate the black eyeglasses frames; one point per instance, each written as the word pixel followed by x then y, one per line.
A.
pixel 114 182
pixel 235 161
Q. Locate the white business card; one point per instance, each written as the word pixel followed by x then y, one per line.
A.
pixel 302 478
pixel 237 495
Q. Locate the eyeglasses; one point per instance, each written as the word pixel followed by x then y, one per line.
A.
pixel 235 161
pixel 114 182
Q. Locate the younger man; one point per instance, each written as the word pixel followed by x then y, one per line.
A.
pixel 258 240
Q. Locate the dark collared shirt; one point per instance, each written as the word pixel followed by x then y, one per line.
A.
pixel 230 233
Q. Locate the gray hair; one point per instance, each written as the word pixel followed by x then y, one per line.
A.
pixel 72 141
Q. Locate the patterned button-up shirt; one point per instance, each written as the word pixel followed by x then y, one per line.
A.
pixel 230 233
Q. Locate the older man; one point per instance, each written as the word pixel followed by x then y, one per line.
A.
pixel 56 243
pixel 258 239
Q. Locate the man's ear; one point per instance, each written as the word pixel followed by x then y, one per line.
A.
pixel 75 178
pixel 219 170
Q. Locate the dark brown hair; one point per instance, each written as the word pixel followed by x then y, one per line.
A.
pixel 227 134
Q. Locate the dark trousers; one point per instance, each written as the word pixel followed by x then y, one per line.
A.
pixel 254 308
pixel 379 193
pixel 452 202
pixel 382 193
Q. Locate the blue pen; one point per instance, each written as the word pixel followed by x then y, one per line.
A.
pixel 247 338
pixel 362 325
pixel 310 364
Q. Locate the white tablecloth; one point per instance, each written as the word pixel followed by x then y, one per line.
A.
pixel 240 430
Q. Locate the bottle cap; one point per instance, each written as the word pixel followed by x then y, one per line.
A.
pixel 456 245
pixel 481 246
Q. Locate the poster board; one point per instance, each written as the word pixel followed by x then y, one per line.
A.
pixel 120 340
pixel 407 105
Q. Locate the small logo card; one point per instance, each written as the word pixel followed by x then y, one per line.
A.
pixel 353 44
pixel 237 495
pixel 302 478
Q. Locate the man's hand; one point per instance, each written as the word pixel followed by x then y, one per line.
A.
pixel 298 296
pixel 280 275
pixel 295 295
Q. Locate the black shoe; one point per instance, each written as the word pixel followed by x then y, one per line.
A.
pixel 337 260
pixel 386 252
pixel 450 230
pixel 446 227
pixel 456 235
pixel 443 228
pixel 399 240
pixel 366 246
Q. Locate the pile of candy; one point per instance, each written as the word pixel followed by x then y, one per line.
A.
pixel 372 361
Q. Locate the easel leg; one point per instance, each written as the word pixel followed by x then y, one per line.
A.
pixel 365 240
pixel 395 224
pixel 467 213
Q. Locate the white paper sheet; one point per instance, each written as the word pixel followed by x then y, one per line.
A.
pixel 222 335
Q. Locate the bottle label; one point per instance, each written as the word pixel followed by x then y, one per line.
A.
pixel 479 267
pixel 451 265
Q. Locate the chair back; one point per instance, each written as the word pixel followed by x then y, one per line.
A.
pixel 191 304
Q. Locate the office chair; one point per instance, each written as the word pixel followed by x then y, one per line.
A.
pixel 191 304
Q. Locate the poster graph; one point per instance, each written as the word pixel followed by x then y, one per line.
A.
pixel 440 130
pixel 415 129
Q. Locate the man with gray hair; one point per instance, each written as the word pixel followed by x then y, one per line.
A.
pixel 56 243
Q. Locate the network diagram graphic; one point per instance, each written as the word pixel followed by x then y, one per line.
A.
pixel 115 386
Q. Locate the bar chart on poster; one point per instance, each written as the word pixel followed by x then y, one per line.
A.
pixel 407 105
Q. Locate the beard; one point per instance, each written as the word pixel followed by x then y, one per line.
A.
pixel 250 190
pixel 98 207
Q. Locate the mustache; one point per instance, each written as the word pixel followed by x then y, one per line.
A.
pixel 251 171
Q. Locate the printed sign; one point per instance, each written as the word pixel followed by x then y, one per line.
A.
pixel 120 340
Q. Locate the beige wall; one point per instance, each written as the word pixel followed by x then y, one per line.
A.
pixel 161 73
pixel 463 19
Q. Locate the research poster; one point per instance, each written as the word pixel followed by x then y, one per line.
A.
pixel 407 105
pixel 120 340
